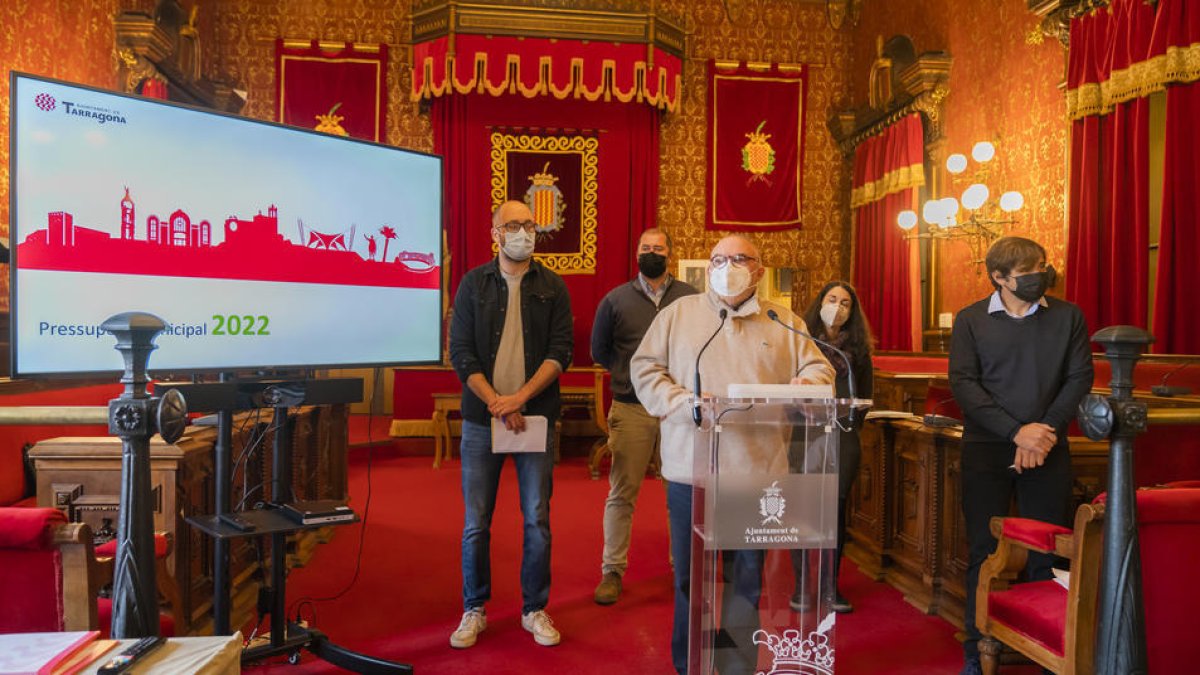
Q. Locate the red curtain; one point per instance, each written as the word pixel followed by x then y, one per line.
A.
pixel 1108 249
pixel 1175 305
pixel 1118 56
pixel 533 67
pixel 627 183
pixel 887 169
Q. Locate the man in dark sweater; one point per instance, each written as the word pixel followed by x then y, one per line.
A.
pixel 621 320
pixel 1020 363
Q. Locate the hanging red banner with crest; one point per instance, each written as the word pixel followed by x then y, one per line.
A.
pixel 557 177
pixel 755 145
pixel 335 87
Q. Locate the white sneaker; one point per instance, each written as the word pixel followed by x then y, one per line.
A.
pixel 474 621
pixel 544 632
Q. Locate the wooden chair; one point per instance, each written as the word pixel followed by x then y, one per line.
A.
pixel 50 577
pixel 1055 627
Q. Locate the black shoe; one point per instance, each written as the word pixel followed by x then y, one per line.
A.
pixel 841 605
pixel 971 667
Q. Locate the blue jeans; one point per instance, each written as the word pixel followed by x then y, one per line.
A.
pixel 741 572
pixel 679 516
pixel 480 481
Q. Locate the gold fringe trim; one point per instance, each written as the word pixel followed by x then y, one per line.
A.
pixel 891 182
pixel 1177 65
pixel 605 90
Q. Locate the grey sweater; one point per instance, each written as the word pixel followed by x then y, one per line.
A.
pixel 622 318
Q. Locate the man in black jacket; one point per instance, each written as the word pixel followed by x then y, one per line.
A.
pixel 1020 363
pixel 621 320
pixel 510 338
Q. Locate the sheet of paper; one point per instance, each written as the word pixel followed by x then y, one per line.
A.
pixel 533 439
pixel 33 652
pixel 1063 577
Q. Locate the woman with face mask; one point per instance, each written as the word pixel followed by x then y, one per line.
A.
pixel 835 316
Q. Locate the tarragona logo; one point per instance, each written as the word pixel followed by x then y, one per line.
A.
pixel 45 102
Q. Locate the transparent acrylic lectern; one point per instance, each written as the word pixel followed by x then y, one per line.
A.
pixel 764 535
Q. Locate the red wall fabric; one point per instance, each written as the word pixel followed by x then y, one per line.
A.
pixel 627 184
pixel 755 148
pixel 1175 301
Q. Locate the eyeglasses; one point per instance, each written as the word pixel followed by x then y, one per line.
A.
pixel 739 260
pixel 515 226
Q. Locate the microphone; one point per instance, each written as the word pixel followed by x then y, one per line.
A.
pixel 1164 389
pixel 774 316
pixel 936 421
pixel 696 402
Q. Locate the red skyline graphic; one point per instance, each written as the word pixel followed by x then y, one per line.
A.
pixel 252 250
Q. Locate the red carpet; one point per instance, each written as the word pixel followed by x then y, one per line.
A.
pixel 407 598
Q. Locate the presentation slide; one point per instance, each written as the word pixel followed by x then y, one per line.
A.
pixel 261 246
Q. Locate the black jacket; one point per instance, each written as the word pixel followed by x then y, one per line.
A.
pixel 479 310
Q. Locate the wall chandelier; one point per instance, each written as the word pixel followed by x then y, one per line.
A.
pixel 978 217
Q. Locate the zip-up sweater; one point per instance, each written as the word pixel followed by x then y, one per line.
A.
pixel 749 348
pixel 621 320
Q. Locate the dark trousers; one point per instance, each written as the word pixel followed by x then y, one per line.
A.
pixel 988 484
pixel 734 651
pixel 849 461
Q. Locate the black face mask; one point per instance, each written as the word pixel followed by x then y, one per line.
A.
pixel 1031 287
pixel 652 265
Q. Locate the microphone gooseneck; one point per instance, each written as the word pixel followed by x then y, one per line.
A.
pixel 774 316
pixel 696 384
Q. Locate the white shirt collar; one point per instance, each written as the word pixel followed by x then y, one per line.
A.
pixel 997 305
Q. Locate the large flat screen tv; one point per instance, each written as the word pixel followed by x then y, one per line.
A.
pixel 262 246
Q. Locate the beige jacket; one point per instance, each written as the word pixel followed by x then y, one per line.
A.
pixel 750 348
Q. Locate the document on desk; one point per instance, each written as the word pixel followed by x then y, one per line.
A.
pixel 532 439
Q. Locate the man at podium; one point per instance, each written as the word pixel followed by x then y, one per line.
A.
pixel 701 344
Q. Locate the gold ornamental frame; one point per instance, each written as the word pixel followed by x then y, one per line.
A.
pixel 584 260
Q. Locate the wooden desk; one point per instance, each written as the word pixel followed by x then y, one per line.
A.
pixel 905 523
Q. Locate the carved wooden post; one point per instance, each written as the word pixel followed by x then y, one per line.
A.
pixel 135 417
pixel 1121 621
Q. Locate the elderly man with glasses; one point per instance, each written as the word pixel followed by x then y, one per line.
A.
pixel 746 346
pixel 510 338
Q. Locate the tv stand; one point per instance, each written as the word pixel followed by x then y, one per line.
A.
pixel 226 397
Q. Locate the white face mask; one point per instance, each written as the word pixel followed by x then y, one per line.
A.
pixel 834 315
pixel 729 281
pixel 518 246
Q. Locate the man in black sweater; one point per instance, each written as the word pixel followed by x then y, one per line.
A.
pixel 621 320
pixel 1020 362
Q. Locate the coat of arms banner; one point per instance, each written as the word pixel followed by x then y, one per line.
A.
pixel 556 176
pixel 755 145
pixel 333 87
